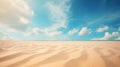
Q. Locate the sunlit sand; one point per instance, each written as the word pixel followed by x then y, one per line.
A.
pixel 59 53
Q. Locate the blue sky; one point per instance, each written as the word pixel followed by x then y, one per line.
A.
pixel 60 19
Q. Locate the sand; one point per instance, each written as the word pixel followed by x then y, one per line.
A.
pixel 59 53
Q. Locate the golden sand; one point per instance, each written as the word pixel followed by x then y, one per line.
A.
pixel 59 54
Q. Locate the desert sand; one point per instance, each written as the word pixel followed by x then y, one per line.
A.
pixel 59 53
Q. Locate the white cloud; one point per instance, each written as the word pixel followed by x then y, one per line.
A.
pixel 27 33
pixel 24 20
pixel 118 38
pixel 73 31
pixel 119 29
pixel 108 36
pixel 36 31
pixel 102 29
pixel 59 13
pixel 84 31
pixel 42 32
pixel 15 14
pixel 4 36
pixel 15 18
pixel 53 33
pixel 2 27
pixel 33 32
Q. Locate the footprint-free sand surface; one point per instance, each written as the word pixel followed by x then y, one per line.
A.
pixel 59 53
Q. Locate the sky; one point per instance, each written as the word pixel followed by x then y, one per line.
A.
pixel 59 19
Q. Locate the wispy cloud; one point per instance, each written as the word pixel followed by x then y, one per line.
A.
pixel 59 13
pixel 108 17
pixel 102 29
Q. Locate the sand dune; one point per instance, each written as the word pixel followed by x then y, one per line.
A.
pixel 59 54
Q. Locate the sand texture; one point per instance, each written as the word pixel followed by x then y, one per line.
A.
pixel 59 53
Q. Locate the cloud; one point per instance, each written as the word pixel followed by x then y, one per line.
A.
pixel 118 38
pixel 36 31
pixel 106 18
pixel 15 18
pixel 102 29
pixel 48 32
pixel 4 36
pixel 24 20
pixel 84 31
pixel 59 13
pixel 15 14
pixel 73 31
pixel 108 36
pixel 119 29
pixel 53 33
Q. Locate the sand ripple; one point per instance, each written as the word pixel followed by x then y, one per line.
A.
pixel 59 54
